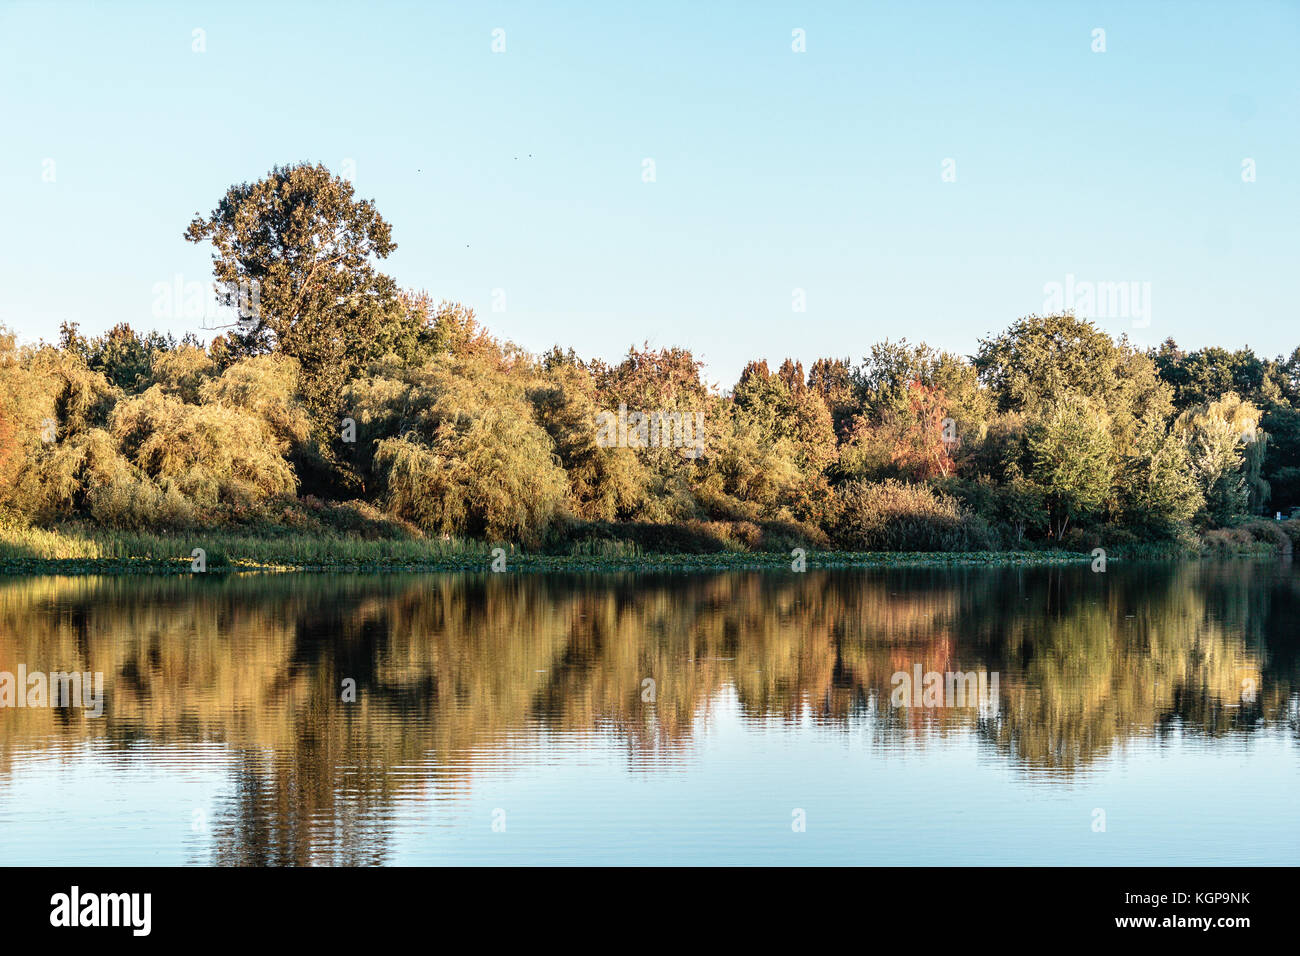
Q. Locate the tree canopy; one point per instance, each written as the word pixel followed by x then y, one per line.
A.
pixel 336 384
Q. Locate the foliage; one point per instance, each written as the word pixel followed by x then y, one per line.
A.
pixel 1218 436
pixel 1072 460
pixel 1158 492
pixel 344 405
pixel 457 450
pixel 307 247
pixel 1040 359
pixel 895 516
pixel 212 454
pixel 123 356
pixel 1268 533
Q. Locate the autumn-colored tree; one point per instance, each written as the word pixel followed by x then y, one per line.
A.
pixel 652 379
pixel 923 444
pixel 9 455
pixel 454 446
pixel 833 380
pixel 606 483
pixel 885 380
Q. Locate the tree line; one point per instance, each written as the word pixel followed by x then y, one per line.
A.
pixel 344 403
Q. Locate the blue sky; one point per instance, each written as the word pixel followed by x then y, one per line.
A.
pixel 822 171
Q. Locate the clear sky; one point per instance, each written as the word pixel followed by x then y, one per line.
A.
pixel 774 170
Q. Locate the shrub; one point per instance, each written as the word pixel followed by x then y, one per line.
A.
pixel 1270 534
pixel 895 516
pixel 364 520
pixel 1083 540
pixel 788 535
pixel 1224 542
pixel 137 504
pixel 688 537
pixel 1291 529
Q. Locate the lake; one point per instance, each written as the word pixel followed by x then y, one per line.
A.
pixel 1149 714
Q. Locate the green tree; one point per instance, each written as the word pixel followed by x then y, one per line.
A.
pixel 1226 447
pixel 1072 456
pixel 1282 466
pixel 1202 376
pixel 605 483
pixel 781 428
pixel 299 245
pixel 1158 492
pixel 1040 358
pixel 123 356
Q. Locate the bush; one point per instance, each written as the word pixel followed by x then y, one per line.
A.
pixel 1270 534
pixel 1083 540
pixel 894 516
pixel 1225 542
pixel 364 520
pixel 136 504
pixel 1291 529
pixel 788 535
pixel 691 537
pixel 1017 506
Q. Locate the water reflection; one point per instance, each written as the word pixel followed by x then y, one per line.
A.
pixel 461 676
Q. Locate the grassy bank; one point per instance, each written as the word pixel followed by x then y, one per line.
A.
pixel 83 550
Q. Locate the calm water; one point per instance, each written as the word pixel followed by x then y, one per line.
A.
pixel 509 718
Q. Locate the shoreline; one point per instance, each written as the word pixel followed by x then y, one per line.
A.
pixel 85 550
pixel 570 564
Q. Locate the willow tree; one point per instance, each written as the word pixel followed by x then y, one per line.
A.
pixel 299 250
pixel 457 448
pixel 1226 447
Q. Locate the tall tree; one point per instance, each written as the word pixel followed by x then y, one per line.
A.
pixel 298 251
pixel 1040 358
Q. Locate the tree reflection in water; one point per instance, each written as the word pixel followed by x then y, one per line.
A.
pixel 452 670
